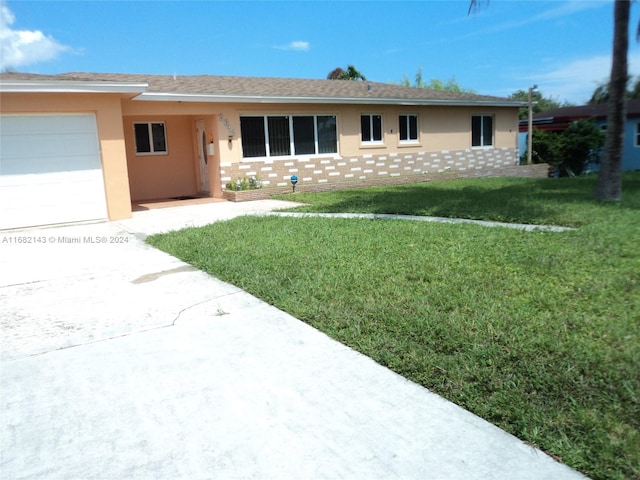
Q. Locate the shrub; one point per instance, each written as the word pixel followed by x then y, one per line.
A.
pixel 570 151
pixel 251 183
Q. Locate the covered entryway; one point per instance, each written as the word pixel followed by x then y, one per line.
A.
pixel 50 170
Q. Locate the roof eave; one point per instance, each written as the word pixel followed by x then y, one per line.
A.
pixel 223 98
pixel 536 121
pixel 64 86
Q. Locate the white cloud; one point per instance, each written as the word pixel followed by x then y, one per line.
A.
pixel 576 80
pixel 568 8
pixel 19 48
pixel 297 45
pixel 558 11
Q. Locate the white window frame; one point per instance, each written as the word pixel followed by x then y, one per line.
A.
pixel 372 142
pixel 265 120
pixel 266 135
pixel 151 142
pixel 412 141
pixel 493 130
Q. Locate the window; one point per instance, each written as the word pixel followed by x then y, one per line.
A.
pixel 327 134
pixel 481 130
pixel 408 128
pixel 150 138
pixel 304 137
pixel 253 137
pixel 285 135
pixel 371 128
pixel 637 143
pixel 279 136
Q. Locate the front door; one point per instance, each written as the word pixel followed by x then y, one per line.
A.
pixel 202 155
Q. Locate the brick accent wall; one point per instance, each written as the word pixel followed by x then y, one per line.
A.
pixel 528 171
pixel 277 173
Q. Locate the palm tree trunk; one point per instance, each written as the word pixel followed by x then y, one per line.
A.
pixel 609 184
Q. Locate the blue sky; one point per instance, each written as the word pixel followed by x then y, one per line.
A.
pixel 562 46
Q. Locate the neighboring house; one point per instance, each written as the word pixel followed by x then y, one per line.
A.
pixel 559 119
pixel 83 146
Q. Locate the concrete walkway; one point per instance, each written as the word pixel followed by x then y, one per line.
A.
pixel 416 218
pixel 120 361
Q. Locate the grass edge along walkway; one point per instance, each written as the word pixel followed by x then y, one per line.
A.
pixel 383 216
pixel 535 332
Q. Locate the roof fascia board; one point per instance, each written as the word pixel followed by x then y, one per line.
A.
pixel 535 121
pixel 212 98
pixel 64 86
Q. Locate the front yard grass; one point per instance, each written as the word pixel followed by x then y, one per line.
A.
pixel 536 332
pixel 515 200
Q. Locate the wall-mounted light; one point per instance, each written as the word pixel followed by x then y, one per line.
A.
pixel 230 140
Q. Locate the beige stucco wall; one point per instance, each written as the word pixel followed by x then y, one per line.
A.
pixel 444 133
pixel 440 128
pixel 107 108
pixel 444 139
pixel 449 128
pixel 182 162
pixel 163 175
pixel 444 144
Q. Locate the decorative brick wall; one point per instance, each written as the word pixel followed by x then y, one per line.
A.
pixel 277 173
pixel 529 171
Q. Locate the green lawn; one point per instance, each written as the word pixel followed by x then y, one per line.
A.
pixel 536 332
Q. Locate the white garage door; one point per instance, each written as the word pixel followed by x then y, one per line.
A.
pixel 50 170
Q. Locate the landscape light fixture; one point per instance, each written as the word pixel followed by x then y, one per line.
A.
pixel 294 180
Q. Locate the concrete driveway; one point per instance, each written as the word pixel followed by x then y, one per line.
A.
pixel 119 361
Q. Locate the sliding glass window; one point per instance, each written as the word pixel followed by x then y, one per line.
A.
pixel 287 135
pixel 253 138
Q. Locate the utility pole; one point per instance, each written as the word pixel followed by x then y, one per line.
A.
pixel 530 127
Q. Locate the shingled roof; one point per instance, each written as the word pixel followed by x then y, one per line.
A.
pixel 559 119
pixel 587 111
pixel 261 89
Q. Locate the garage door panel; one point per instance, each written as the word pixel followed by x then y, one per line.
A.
pixel 50 164
pixel 41 124
pixel 81 181
pixel 19 147
pixel 39 200
pixel 54 176
pixel 26 146
pixel 22 145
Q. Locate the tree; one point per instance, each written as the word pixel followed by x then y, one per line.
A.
pixel 634 92
pixel 571 150
pixel 609 183
pixel 351 73
pixel 545 147
pixel 581 144
pixel 601 93
pixel 335 73
pixel 450 85
pixel 540 102
pixel 419 80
